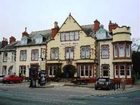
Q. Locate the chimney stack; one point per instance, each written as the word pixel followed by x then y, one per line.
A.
pixel 55 29
pixel 4 42
pixel 25 33
pixel 12 39
pixel 112 26
pixel 96 26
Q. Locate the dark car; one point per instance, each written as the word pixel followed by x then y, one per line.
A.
pixel 104 83
pixel 12 79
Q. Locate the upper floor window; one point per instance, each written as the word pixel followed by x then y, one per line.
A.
pixel 23 55
pixel 85 52
pixel 5 56
pixel 34 55
pixel 128 50
pixel 54 53
pixel 105 51
pixel 13 57
pixel 69 36
pixel 122 50
pixel 69 52
pixel 37 39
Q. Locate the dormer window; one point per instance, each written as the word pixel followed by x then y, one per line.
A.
pixel 24 40
pixel 37 39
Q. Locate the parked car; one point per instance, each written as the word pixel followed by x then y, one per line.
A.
pixel 104 83
pixel 1 78
pixel 12 79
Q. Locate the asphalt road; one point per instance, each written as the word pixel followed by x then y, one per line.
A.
pixel 22 95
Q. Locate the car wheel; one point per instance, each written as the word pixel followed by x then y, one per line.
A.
pixel 96 88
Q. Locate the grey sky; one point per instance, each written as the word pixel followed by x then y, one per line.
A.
pixel 37 15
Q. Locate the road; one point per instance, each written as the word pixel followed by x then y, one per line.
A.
pixel 23 95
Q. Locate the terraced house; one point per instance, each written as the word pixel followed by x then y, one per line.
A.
pixel 84 51
pixel 91 49
pixel 30 51
pixel 8 56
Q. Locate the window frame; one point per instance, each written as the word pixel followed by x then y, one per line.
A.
pixel 68 36
pixel 83 52
pixel 5 56
pixel 23 54
pixel 126 51
pixel 85 70
pixel 34 54
pixel 22 70
pixel 103 49
pixel 55 55
pixel 70 53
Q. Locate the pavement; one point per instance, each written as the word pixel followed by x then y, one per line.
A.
pixel 89 88
pixel 129 88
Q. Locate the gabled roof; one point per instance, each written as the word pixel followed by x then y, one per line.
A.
pixel 85 28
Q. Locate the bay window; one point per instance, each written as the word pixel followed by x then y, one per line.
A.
pixel 122 70
pixel 128 50
pixel 122 50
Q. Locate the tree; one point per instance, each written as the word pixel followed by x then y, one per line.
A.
pixel 136 63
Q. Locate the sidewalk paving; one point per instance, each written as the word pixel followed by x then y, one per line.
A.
pixel 129 88
pixel 89 88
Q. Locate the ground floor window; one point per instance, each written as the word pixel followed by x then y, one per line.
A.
pixel 4 71
pixel 122 70
pixel 85 70
pixel 52 70
pixel 10 70
pixel 105 69
pixel 22 70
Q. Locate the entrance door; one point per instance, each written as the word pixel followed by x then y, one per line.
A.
pixel 69 71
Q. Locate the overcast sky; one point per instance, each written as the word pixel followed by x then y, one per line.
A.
pixel 37 15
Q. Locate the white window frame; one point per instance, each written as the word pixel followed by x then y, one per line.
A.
pixel 23 55
pixel 35 55
pixel 85 52
pixel 69 53
pixel 105 51
pixel 83 68
pixel 121 50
